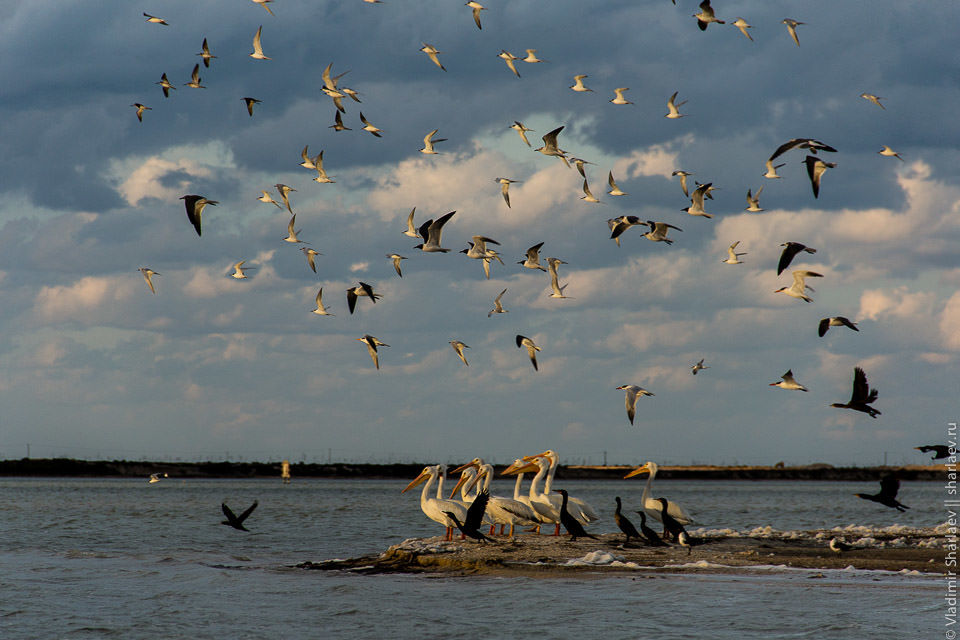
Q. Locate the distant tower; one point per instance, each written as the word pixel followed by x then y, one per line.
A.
pixel 285 471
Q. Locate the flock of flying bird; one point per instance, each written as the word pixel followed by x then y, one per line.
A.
pixel 538 507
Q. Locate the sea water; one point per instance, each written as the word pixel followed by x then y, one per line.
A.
pixel 97 558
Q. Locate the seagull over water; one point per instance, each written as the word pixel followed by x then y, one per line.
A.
pixel 633 393
pixel 148 274
pixel 257 48
pixel 194 205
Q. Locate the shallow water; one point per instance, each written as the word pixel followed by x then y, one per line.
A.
pixel 101 558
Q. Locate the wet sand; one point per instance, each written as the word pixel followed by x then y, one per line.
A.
pixel 549 556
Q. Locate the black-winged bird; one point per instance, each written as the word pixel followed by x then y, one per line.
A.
pixel 671 528
pixel 571 524
pixel 648 533
pixel 195 205
pixel 939 450
pixel 474 520
pixel 234 520
pixel 862 395
pixel 625 525
pixel 889 485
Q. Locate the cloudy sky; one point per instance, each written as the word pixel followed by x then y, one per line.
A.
pixel 92 364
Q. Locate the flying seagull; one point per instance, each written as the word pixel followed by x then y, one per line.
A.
pixel 732 256
pixel 477 8
pixel 578 85
pixel 497 306
pixel 362 289
pixel 790 250
pixel 411 230
pixel 432 233
pixel 696 201
pixel 633 393
pixel 619 225
pixel 205 54
pixel 552 265
pixel 792 28
pixel 522 130
pixel 699 366
pixel 799 286
pixel 372 344
pixel 238 271
pixel 265 198
pixel 311 254
pixel 874 99
pixel 788 382
pixel 658 231
pixel 428 142
pixel 532 57
pixel 396 257
pixel 706 16
pixel 148 274
pixel 505 188
pixel 263 3
pixel 673 108
pixel 234 520
pixel 772 170
pixel 257 48
pixel 618 96
pixel 614 189
pixel 683 180
pixel 432 52
pixel 140 109
pixel 250 102
pixel 802 143
pixel 292 233
pixel 741 24
pixel 862 396
pixel 369 127
pixel 321 310
pixel 165 85
pixel 532 260
pixel 194 205
pixel 284 191
pixel 753 201
pixel 550 147
pixel 508 58
pixel 532 348
pixel 886 151
pixel 587 195
pixel 459 346
pixel 195 78
pixel 836 321
pixel 155 19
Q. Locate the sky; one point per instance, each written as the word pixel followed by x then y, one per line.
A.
pixel 94 365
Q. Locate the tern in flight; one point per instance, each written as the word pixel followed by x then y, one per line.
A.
pixel 699 366
pixel 789 382
pixel 195 78
pixel 321 310
pixel 706 16
pixel 431 51
pixel 815 169
pixel 790 250
pixel 614 189
pixel 799 286
pixel 673 108
pixel 862 396
pixel 696 201
pixel 428 142
pixel 142 107
pixel 257 48
pixel 477 8
pixel 732 256
pixel 362 289
pixel 753 201
pixel 238 271
pixel 772 170
pixel 578 85
pixel 505 188
pixel 194 205
pixel 792 28
pixel 658 231
pixel 263 3
pixel 683 180
pixel 432 233
pixel 522 130
pixel 874 99
pixel 552 265
pixel 292 233
pixel 234 520
pixel 311 254
pixel 369 127
pixel 338 123
pixel 532 260
pixel 411 230
pixel 284 191
pixel 165 85
pixel 836 321
pixel 307 162
pixel 802 143
pixel 459 347
pixel 148 274
pixel 155 19
pixel 523 341
pixel 886 151
pixel 618 96
pixel 267 199
pixel 396 257
pixel 550 147
pixel 205 54
pixel 619 225
pixel 587 195
pixel 322 176
pixel 372 344
pixel 532 57
pixel 633 393
pixel 741 24
pixel 250 102
pixel 508 58
pixel 497 305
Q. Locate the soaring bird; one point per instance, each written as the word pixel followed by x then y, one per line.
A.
pixel 522 130
pixel 477 8
pixel 732 256
pixel 311 254
pixel 338 123
pixel 284 191
pixel 742 24
pixel 322 176
pixel 148 274
pixel 432 233
pixel 155 19
pixel 673 107
pixel 790 250
pixel 587 195
pixel 699 366
pixel 459 346
pixel 432 52
pixel 292 233
pixel 619 225
pixel 889 486
pixel 234 520
pixel 372 344
pixel 578 85
pixel 939 450
pixel 531 57
pixel 474 520
pixel 523 341
pixel 861 397
pixel 706 16
pixel 257 48
pixel 802 143
pixel 194 205
pixel 195 78
pixel 753 201
pixel 633 393
pixel 571 524
pixel 508 58
pixel 497 305
pixel 362 289
pixel 532 260
pixel 792 28
pixel 505 188
pixel 165 85
pixel 369 127
pixel 836 321
pixel 321 310
pixel 428 142
pixel 629 531
pixel 396 258
pixel 140 109
pixel 250 102
pixel 874 99
pixel 799 286
pixel 552 265
pixel 263 3
pixel 550 147
pixel 789 382
pixel 658 231
pixel 205 54
pixel 411 230
pixel 614 189
pixel 771 173
pixel 238 271
pixel 267 199
pixel 696 201
pixel 815 170
pixel 618 96
pixel 683 180
pixel 889 153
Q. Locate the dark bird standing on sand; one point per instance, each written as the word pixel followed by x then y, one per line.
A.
pixel 474 519
pixel 939 450
pixel 671 528
pixel 889 485
pixel 862 395
pixel 625 525
pixel 237 521
pixel 649 533
pixel 572 525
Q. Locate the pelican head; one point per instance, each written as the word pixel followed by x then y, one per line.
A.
pixel 520 466
pixel 475 463
pixel 425 474
pixel 644 468
pixel 468 473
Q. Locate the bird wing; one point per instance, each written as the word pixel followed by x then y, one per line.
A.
pixel 231 516
pixel 824 327
pixel 889 486
pixel 476 510
pixel 860 387
pixel 243 516
pixel 786 257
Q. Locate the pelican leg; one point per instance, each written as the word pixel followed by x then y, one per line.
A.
pixel 493 529
pixel 556 531
pixel 502 526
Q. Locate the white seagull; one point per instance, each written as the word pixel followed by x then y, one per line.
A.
pixel 741 24
pixel 799 286
pixel 788 382
pixel 477 8
pixel 618 97
pixel 630 400
pixel 772 170
pixel 614 189
pixel 874 99
pixel 431 51
pixel 459 347
pixel 706 16
pixel 792 28
pixel 321 310
pixel 369 127
pixel 587 195
pixel 411 230
pixel 362 289
pixel 550 147
pixel 267 199
pixel 886 151
pixel 432 233
pixel 148 274
pixel 753 200
pixel 532 260
pixel 155 19
pixel 658 231
pixel 165 85
pixel 310 254
pixel 142 107
pixel 698 367
pixel 505 188
pixel 322 176
pixel 396 258
pixel 732 256
pixel 523 341
pixel 835 321
pixel 257 48
pixel 578 84
pixel 291 233
pixel 683 180
pixel 238 271
pixel 673 108
pixel 195 78
pixel 532 57
pixel 428 142
pixel 522 130
pixel 372 344
pixel 552 265
pixel 696 201
pixel 508 58
pixel 497 305
pixel 284 191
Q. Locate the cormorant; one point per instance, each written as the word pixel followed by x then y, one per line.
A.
pixel 649 533
pixel 474 519
pixel 572 525
pixel 625 525
pixel 889 485
pixel 237 521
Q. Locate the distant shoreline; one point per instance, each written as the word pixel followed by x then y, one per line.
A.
pixel 71 468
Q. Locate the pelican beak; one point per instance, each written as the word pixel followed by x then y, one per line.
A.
pixel 420 478
pixel 476 479
pixel 456 487
pixel 645 468
pixel 472 463
pixel 519 467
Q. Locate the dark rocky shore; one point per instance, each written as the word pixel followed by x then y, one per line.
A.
pixel 67 467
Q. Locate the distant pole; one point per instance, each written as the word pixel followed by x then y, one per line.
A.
pixel 329 455
pixel 884 458
pixel 28 451
pixel 604 458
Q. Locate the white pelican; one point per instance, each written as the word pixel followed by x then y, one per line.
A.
pixel 502 511
pixel 799 286
pixel 653 506
pixel 540 502
pixel 579 509
pixel 433 508
pixel 518 468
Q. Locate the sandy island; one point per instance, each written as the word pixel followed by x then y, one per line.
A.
pixel 898 549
